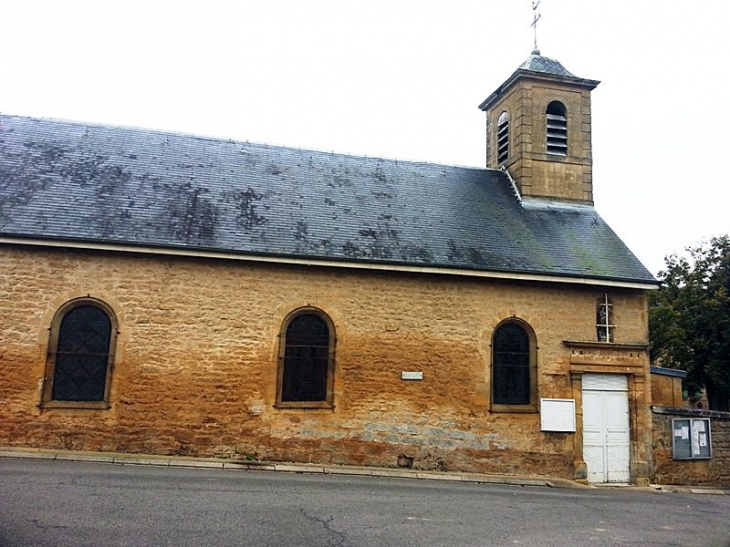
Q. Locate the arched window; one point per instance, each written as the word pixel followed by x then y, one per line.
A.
pixel 80 357
pixel 514 381
pixel 557 129
pixel 502 138
pixel 306 367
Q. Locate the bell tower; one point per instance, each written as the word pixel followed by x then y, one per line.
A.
pixel 539 130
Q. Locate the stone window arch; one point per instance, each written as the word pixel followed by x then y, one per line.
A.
pixel 81 350
pixel 514 367
pixel 306 360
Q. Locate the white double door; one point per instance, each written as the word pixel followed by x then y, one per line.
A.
pixel 606 446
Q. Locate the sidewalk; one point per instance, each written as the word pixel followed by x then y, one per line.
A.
pixel 323 469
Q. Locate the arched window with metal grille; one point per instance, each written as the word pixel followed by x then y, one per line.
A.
pixel 306 360
pixel 514 382
pixel 80 356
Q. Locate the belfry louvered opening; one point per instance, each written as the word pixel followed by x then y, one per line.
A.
pixel 557 129
pixel 503 137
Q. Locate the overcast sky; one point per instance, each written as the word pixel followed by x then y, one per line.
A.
pixel 400 79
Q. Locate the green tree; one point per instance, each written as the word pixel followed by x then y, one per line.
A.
pixel 689 318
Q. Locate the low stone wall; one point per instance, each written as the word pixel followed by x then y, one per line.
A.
pixel 712 472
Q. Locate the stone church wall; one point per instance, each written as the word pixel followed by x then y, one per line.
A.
pixel 196 365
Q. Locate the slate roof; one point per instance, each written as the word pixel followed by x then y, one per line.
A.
pixel 537 63
pixel 86 183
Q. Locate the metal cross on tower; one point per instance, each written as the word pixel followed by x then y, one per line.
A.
pixel 535 19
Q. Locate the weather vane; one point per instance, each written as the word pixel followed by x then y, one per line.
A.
pixel 535 19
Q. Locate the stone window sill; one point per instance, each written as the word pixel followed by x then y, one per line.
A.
pixel 80 405
pixel 326 405
pixel 517 409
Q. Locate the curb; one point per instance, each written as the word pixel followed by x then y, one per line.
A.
pixel 688 489
pixel 328 469
pixel 303 468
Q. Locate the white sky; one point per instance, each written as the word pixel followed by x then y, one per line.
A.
pixel 399 79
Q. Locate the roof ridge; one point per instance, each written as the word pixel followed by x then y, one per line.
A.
pixel 219 139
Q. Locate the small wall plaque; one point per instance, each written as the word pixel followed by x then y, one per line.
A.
pixel 415 375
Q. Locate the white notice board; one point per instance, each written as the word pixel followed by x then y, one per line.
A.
pixel 557 415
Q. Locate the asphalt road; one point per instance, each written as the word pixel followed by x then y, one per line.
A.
pixel 77 504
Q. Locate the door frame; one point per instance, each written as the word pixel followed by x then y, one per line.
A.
pixel 639 422
pixel 607 387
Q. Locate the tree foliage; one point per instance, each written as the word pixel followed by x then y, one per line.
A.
pixel 689 318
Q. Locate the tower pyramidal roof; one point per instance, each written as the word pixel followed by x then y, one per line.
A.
pixel 537 63
pixel 540 67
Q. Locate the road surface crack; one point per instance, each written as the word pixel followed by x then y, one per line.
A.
pixel 48 526
pixel 338 540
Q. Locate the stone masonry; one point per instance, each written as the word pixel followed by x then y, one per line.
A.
pixel 536 173
pixel 195 370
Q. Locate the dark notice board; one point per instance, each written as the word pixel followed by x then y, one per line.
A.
pixel 692 438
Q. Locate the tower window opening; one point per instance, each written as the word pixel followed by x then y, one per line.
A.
pixel 557 129
pixel 503 137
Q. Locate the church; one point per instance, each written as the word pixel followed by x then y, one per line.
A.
pixel 164 293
